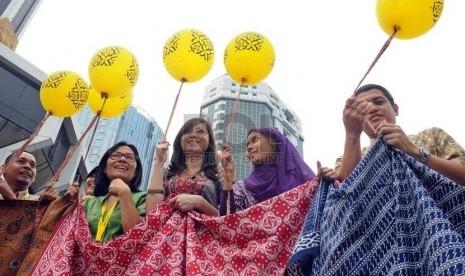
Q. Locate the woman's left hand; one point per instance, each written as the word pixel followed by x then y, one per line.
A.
pixel 118 187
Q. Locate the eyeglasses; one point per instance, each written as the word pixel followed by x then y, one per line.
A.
pixel 128 156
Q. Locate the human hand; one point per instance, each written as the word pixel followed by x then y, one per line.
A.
pixel 5 189
pixel 396 137
pixel 186 202
pixel 118 187
pixel 354 116
pixel 51 190
pixel 327 173
pixel 73 190
pixel 228 167
pixel 161 152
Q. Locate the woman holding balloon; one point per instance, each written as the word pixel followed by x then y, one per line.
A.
pixel 277 168
pixel 190 182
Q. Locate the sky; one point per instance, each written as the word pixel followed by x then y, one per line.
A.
pixel 323 49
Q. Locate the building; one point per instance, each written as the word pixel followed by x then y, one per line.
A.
pixel 259 106
pixel 134 126
pixel 20 114
pixel 19 13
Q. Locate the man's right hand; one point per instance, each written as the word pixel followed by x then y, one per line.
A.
pixel 5 189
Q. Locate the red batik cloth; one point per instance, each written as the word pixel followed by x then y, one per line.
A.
pixel 255 241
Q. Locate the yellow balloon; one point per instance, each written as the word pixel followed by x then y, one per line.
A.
pixel 64 93
pixel 188 55
pixel 412 17
pixel 113 70
pixel 249 58
pixel 113 106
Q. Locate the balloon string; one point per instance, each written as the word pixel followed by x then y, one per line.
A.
pixel 28 141
pixel 105 97
pixel 71 152
pixel 378 56
pixel 233 114
pixel 172 110
pixel 93 134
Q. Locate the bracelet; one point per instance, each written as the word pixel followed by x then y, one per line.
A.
pixel 156 191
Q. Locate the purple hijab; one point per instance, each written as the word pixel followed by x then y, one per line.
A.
pixel 289 170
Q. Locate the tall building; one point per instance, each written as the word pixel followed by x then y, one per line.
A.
pixel 19 13
pixel 134 126
pixel 20 114
pixel 259 106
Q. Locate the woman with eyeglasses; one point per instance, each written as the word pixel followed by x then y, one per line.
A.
pixel 117 204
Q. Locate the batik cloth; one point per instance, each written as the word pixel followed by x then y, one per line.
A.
pixel 25 227
pixel 391 216
pixel 255 241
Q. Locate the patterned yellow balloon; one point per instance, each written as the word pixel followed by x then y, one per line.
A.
pixel 412 17
pixel 113 70
pixel 249 58
pixel 113 106
pixel 188 55
pixel 64 93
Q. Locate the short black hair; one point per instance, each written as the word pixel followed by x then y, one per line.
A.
pixel 92 172
pixel 370 86
pixel 10 156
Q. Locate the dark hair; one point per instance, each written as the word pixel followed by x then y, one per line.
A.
pixel 92 172
pixel 178 159
pixel 10 156
pixel 367 87
pixel 101 179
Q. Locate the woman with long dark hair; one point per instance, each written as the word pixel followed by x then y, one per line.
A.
pixel 192 173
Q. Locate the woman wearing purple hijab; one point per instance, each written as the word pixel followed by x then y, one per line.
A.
pixel 278 167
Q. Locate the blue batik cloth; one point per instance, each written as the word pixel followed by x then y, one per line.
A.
pixel 391 216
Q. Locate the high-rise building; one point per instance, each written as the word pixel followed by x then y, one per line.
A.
pixel 259 106
pixel 134 126
pixel 20 114
pixel 19 13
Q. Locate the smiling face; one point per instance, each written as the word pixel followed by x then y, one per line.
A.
pixel 381 109
pixel 260 149
pixel 195 141
pixel 121 164
pixel 89 185
pixel 21 173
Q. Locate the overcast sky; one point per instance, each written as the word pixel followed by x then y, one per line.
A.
pixel 323 49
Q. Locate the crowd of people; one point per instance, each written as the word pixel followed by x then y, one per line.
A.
pixel 197 179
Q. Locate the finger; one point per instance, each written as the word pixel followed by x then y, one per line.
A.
pixel 318 164
pixel 172 200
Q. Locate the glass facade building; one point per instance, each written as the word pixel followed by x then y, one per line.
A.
pixel 20 114
pixel 134 126
pixel 259 106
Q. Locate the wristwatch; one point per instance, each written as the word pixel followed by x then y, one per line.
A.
pixel 424 155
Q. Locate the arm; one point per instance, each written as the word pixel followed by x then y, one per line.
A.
pixel 395 136
pixel 228 171
pixel 129 213
pixel 156 182
pixel 353 122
